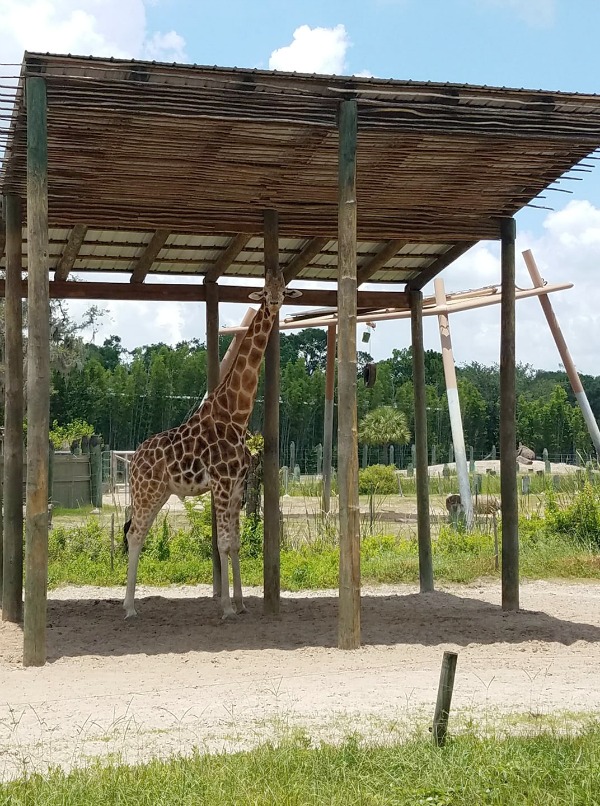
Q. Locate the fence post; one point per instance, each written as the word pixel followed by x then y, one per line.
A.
pixel 95 447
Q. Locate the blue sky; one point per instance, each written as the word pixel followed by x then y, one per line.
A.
pixel 547 44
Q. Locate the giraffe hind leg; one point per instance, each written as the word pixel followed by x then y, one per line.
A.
pixel 135 535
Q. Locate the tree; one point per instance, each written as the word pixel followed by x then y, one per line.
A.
pixel 384 426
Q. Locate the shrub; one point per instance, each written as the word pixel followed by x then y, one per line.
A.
pixel 460 541
pixel 580 519
pixel 378 479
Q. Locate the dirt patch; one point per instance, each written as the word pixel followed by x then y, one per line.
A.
pixel 176 677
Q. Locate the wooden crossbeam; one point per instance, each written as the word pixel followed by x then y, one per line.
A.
pixel 452 254
pixel 188 292
pixel 309 252
pixel 69 256
pixel 227 257
pixel 379 260
pixel 149 255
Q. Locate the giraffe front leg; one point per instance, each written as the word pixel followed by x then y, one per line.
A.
pixel 135 548
pixel 238 598
pixel 227 610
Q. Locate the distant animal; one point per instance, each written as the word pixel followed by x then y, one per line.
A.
pixel 525 455
pixel 453 503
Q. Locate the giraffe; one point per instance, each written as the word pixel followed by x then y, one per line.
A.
pixel 207 452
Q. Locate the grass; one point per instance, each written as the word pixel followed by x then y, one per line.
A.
pixel 548 768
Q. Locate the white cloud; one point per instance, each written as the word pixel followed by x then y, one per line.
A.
pixel 169 47
pixel 537 13
pixel 313 50
pixel 86 27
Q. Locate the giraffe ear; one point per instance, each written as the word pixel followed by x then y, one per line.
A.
pixel 293 293
pixel 256 295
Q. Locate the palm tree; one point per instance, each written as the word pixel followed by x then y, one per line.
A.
pixel 384 426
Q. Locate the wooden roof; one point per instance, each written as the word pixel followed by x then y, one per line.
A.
pixel 157 168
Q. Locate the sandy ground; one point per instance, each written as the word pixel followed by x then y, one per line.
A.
pixel 176 678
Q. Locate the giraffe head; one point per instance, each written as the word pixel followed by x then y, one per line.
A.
pixel 274 291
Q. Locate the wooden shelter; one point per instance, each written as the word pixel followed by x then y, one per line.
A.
pixel 141 169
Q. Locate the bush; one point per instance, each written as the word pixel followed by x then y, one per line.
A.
pixel 580 519
pixel 460 541
pixel 378 479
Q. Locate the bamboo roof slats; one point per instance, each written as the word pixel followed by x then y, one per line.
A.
pixel 170 167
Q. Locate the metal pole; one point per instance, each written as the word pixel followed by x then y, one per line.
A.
pixel 328 417
pixel 422 468
pixel 563 350
pixel 349 597
pixel 212 381
pixel 38 377
pixel 12 593
pixel 458 436
pixel 271 551
pixel 508 430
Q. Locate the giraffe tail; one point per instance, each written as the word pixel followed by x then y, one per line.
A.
pixel 125 530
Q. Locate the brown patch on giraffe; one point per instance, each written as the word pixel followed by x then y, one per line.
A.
pixel 235 380
pixel 261 342
pixel 232 400
pixel 255 356
pixel 248 377
pixel 244 401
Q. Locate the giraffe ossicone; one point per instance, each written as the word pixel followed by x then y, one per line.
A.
pixel 206 453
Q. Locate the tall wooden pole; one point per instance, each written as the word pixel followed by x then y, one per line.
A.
pixel 456 425
pixel 508 428
pixel 12 592
pixel 349 599
pixel 271 560
pixel 328 417
pixel 565 355
pixel 422 465
pixel 38 377
pixel 212 381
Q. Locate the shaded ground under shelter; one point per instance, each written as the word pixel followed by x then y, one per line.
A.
pixel 141 169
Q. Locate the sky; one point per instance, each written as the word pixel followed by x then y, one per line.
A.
pixel 545 44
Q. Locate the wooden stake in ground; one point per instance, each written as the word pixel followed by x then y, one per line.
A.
pixel 444 698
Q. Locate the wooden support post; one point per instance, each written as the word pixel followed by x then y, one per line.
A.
pixel 271 559
pixel 421 460
pixel 328 418
pixel 456 425
pixel 38 376
pixel 444 698
pixel 12 593
pixel 96 471
pixel 212 381
pixel 508 429
pixel 349 598
pixel 565 355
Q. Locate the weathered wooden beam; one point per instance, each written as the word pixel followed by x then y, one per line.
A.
pixel 426 275
pixel 303 258
pixel 212 381
pixel 149 255
pixel 228 256
pixel 180 292
pixel 422 469
pixel 379 260
pixel 38 377
pixel 71 250
pixel 349 592
pixel 271 553
pixel 12 589
pixel 508 428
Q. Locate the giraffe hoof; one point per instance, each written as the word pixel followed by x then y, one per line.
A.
pixel 229 615
pixel 239 609
pixel 130 613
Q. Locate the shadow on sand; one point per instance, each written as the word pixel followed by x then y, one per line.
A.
pixel 179 625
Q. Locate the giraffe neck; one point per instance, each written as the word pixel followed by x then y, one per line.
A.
pixel 238 388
